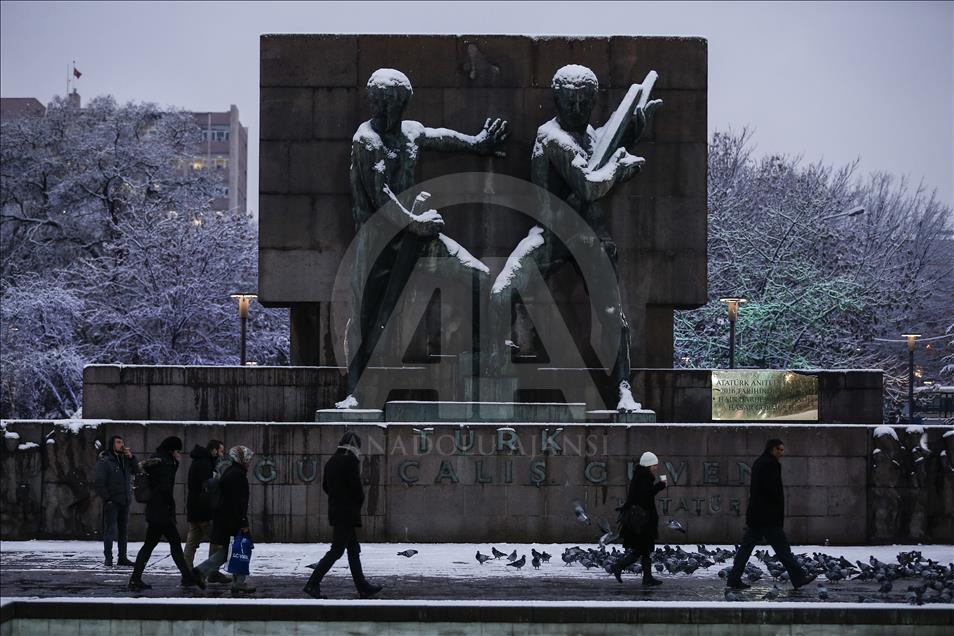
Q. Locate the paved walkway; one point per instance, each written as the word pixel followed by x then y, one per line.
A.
pixel 75 569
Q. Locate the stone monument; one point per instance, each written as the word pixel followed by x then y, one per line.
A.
pixel 650 230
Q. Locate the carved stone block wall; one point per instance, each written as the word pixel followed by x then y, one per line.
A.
pixel 313 99
pixel 484 483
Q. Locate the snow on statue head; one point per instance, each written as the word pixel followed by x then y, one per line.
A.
pixel 574 93
pixel 388 92
pixel 389 77
pixel 575 76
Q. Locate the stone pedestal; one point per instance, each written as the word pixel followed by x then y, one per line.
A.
pixel 349 415
pixel 643 416
pixel 503 412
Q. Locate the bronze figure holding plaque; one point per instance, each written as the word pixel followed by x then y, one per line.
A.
pixel 580 165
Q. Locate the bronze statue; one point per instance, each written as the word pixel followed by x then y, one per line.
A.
pixel 580 165
pixel 384 154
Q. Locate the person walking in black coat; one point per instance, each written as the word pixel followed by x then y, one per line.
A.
pixel 161 513
pixel 764 518
pixel 230 517
pixel 640 526
pixel 198 507
pixel 342 482
pixel 114 472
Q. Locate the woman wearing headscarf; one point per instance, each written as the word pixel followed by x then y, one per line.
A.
pixel 230 516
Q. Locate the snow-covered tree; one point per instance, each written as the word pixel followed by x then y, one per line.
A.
pixel 111 253
pixel 828 262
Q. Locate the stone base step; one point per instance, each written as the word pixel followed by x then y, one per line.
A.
pixel 420 411
pixel 349 415
pixel 644 416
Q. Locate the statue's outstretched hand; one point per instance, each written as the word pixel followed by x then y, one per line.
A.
pixel 495 132
pixel 627 165
pixel 427 223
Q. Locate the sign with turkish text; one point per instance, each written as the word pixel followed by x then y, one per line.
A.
pixel 743 395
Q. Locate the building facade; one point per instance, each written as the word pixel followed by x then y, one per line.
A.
pixel 17 107
pixel 224 149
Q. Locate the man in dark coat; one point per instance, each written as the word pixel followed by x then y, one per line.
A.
pixel 230 517
pixel 198 507
pixel 114 472
pixel 161 513
pixel 764 518
pixel 342 482
pixel 639 536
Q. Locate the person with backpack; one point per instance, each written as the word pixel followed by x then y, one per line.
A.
pixel 160 472
pixel 640 525
pixel 198 506
pixel 115 470
pixel 342 482
pixel 229 501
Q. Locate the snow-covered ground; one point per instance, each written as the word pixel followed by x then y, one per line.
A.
pixel 446 560
pixel 439 574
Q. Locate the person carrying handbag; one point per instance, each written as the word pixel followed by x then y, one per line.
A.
pixel 230 518
pixel 639 520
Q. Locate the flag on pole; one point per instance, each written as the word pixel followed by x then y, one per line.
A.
pixel 76 73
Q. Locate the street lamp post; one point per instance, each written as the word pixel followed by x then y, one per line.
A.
pixel 912 344
pixel 244 300
pixel 733 306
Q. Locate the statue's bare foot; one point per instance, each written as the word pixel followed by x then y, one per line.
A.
pixel 627 403
pixel 349 402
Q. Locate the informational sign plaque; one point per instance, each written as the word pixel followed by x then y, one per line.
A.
pixel 765 395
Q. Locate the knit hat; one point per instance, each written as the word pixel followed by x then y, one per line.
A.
pixel 350 442
pixel 241 455
pixel 648 459
pixel 170 444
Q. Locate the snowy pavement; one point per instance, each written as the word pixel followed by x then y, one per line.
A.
pixel 438 572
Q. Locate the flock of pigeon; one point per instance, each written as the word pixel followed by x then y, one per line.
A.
pixel 933 582
pixel 927 581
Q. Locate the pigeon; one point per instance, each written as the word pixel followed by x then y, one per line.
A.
pixel 772 594
pixel 545 557
pixel 535 554
pixel 822 592
pixel 497 553
pixel 519 563
pixel 603 524
pixel 609 537
pixel 535 563
pixel 407 553
pixel 481 558
pixel 580 513
pixel 732 596
pixel 512 557
pixel 675 525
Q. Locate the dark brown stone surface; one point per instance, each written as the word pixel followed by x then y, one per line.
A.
pixel 439 492
pixel 313 100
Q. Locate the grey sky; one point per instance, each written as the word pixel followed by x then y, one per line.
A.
pixel 831 81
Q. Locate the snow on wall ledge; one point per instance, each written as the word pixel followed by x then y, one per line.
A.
pixel 462 483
